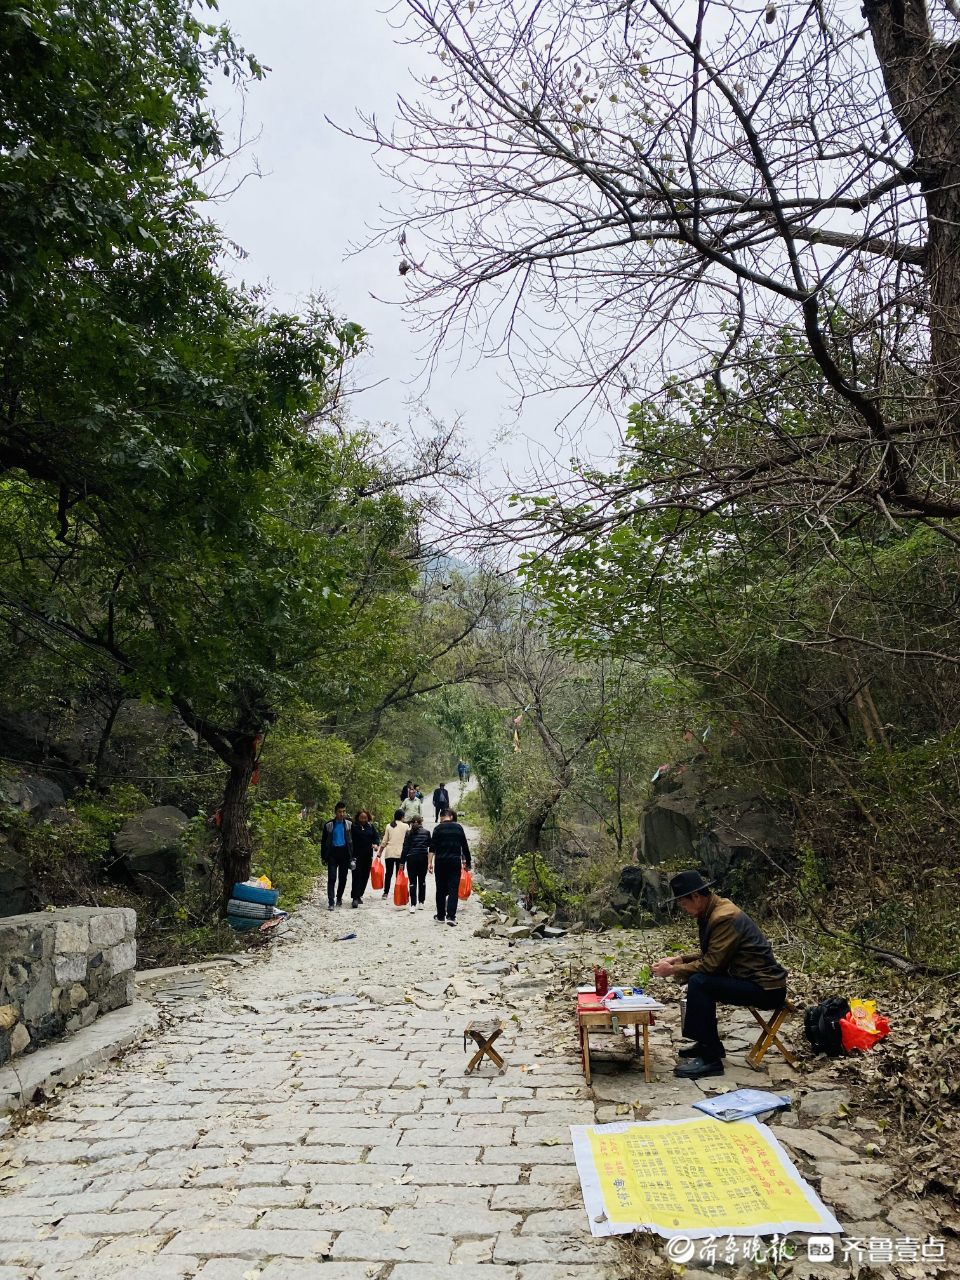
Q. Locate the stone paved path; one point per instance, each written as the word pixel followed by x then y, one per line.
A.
pixel 307 1118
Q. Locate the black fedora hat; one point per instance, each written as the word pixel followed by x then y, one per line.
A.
pixel 684 884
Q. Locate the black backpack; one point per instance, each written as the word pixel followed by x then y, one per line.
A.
pixel 822 1025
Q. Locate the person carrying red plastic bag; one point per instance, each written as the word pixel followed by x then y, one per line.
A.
pixel 391 848
pixel 449 856
pixel 415 860
pixel 862 1027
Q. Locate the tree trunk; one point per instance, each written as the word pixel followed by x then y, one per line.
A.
pixel 537 820
pixel 238 750
pixel 236 843
pixel 922 77
pixel 107 730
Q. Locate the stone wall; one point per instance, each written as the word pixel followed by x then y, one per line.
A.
pixel 60 970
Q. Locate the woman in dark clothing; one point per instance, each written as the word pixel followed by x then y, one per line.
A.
pixel 449 854
pixel 366 840
pixel 416 858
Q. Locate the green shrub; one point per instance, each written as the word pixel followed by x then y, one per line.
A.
pixel 530 874
pixel 284 849
pixel 69 854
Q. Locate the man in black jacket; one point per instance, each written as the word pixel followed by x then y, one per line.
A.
pixel 449 853
pixel 441 801
pixel 336 853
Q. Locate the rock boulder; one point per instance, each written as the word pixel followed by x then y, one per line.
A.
pixel 695 820
pixel 15 895
pixel 36 797
pixel 149 845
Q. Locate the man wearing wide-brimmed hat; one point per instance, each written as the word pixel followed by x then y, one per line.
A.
pixel 735 965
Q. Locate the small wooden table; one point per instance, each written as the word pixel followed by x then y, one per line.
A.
pixel 591 1012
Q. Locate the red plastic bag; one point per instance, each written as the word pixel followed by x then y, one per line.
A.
pixel 466 884
pixel 376 873
pixel 857 1037
pixel 401 889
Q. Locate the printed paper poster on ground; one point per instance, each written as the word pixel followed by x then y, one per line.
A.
pixel 693 1178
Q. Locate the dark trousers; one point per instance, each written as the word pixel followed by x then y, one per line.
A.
pixel 705 991
pixel 437 810
pixel 446 872
pixel 358 882
pixel 417 871
pixel 337 869
pixel 389 866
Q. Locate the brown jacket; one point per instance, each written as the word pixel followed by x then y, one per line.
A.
pixel 732 945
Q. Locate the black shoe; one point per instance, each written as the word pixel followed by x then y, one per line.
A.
pixel 696 1051
pixel 697 1068
pixel 329 906
pixel 355 903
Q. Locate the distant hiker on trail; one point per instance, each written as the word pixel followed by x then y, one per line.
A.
pixel 735 965
pixel 391 847
pixel 366 838
pixel 416 859
pixel 441 801
pixel 403 789
pixel 412 804
pixel 449 854
pixel 461 771
pixel 336 852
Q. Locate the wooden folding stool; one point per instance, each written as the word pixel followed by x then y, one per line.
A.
pixel 483 1034
pixel 768 1035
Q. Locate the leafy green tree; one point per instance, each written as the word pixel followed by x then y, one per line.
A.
pixel 228 622
pixel 127 361
pixel 176 519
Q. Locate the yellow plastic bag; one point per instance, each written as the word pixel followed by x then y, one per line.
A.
pixel 263 882
pixel 864 1014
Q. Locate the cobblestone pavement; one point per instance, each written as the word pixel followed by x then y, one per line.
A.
pixel 308 1118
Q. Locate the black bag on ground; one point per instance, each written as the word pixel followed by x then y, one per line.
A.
pixel 821 1024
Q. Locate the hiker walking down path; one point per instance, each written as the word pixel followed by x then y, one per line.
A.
pixel 412 804
pixel 416 860
pixel 391 847
pixel 336 853
pixel 441 801
pixel 449 854
pixel 366 839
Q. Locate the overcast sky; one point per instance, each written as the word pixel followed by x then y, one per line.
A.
pixel 320 190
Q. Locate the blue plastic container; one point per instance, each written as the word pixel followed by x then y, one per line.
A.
pixel 253 893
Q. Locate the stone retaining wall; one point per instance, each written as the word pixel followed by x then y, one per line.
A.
pixel 60 969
